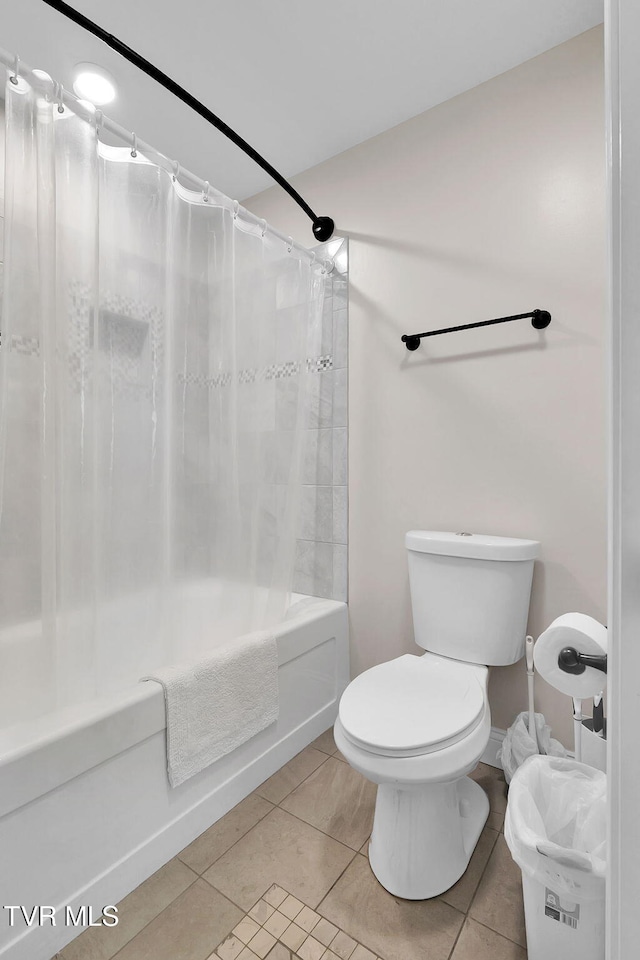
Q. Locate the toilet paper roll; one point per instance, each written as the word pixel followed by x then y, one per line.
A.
pixel 571 630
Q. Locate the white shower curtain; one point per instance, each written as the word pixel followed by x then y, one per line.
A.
pixel 153 367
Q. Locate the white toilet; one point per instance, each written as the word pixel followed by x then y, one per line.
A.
pixel 417 725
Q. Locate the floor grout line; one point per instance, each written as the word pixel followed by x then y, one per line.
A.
pixel 319 829
pixel 323 898
pixel 219 820
pixel 326 757
pixel 198 876
pixel 475 919
pixel 273 806
pixel 498 933
pixel 323 832
pixel 466 914
pixel 259 820
pixel 300 820
pixel 458 935
pixel 115 956
pixel 227 897
pixel 484 869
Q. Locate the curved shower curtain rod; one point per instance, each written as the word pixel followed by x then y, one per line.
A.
pixel 322 226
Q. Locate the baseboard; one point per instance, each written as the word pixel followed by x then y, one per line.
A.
pixel 495 743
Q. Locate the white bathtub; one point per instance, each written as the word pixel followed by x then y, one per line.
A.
pixel 86 811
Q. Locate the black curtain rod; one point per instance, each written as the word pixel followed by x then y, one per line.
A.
pixel 322 226
pixel 539 320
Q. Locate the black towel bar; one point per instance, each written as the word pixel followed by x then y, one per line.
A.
pixel 539 320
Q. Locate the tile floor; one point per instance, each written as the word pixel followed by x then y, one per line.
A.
pixel 285 876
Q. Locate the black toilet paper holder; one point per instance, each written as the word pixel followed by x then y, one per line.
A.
pixel 571 661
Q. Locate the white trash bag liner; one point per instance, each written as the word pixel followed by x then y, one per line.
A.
pixel 518 744
pixel 556 825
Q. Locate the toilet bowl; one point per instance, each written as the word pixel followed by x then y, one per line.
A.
pixel 429 815
pixel 417 725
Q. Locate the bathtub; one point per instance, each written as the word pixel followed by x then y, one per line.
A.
pixel 86 811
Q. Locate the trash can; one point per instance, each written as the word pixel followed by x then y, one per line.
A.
pixel 555 828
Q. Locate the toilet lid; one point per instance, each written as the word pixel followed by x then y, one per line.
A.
pixel 412 705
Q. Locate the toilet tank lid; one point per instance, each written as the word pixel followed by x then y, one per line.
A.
pixel 472 545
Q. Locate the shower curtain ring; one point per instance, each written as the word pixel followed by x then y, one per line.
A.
pixel 236 207
pixel 134 145
pixel 58 95
pixel 264 227
pixel 16 68
pixel 99 119
pixel 205 192
pixel 176 171
pixel 289 244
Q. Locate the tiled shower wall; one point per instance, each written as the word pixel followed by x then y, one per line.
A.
pixel 321 548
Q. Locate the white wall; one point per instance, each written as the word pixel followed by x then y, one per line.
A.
pixel 489 204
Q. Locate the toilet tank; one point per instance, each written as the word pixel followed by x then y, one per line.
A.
pixel 470 594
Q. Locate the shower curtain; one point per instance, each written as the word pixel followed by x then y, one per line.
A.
pixel 155 350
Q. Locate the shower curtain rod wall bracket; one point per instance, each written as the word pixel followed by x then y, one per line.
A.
pixel 322 227
pixel 539 320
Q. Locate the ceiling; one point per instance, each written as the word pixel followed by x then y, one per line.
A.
pixel 300 81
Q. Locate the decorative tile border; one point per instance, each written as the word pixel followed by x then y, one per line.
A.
pixel 27 346
pixel 281 927
pixel 275 371
pixel 318 364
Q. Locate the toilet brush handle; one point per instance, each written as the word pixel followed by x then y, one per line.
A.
pixel 528 652
pixel 577 727
pixel 530 677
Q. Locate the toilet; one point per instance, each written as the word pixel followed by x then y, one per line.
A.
pixel 417 725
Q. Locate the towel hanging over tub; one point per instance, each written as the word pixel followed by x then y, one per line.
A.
pixel 217 704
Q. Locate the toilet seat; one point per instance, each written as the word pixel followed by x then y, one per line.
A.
pixel 412 706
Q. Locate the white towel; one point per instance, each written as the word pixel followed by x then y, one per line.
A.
pixel 217 704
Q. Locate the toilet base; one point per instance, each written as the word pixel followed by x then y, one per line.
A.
pixel 424 834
